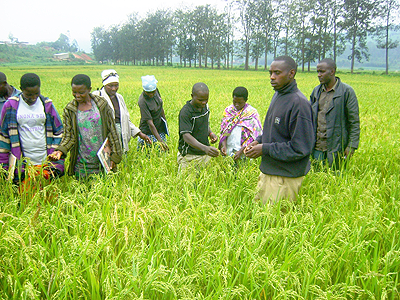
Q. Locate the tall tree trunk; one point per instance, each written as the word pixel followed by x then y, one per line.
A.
pixel 334 37
pixel 205 55
pixel 387 44
pixel 353 51
pixel 246 60
pixel 266 51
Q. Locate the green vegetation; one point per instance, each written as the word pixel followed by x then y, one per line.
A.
pixel 147 232
pixel 33 55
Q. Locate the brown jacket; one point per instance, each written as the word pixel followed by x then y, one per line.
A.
pixel 70 142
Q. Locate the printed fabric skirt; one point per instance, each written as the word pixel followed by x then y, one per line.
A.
pixel 143 145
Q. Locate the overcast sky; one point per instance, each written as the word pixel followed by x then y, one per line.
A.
pixel 44 20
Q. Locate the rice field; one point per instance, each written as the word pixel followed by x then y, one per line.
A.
pixel 148 232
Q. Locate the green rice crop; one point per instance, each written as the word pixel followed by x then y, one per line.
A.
pixel 148 232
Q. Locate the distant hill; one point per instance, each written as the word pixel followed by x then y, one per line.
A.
pixel 33 54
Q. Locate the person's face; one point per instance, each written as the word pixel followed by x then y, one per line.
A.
pixel 150 94
pixel 30 94
pixel 3 88
pixel 325 74
pixel 200 100
pixel 238 102
pixel 111 88
pixel 280 75
pixel 81 93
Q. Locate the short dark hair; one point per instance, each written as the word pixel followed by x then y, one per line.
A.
pixel 330 62
pixel 289 62
pixel 199 87
pixel 29 80
pixel 81 79
pixel 240 91
pixel 3 77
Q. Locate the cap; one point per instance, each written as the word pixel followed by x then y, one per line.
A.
pixel 149 83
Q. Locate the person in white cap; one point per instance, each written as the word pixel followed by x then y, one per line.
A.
pixel 126 129
pixel 153 121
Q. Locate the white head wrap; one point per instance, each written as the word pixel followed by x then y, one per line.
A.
pixel 149 83
pixel 109 76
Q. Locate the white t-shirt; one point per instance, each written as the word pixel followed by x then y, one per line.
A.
pixel 31 128
pixel 233 141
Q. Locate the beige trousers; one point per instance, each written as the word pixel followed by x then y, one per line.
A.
pixel 272 188
pixel 197 161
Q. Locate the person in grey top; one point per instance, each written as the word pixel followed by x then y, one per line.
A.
pixel 336 117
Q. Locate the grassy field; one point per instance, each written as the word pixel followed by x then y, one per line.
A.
pixel 147 232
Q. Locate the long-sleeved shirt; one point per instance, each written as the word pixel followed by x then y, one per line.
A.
pixel 288 134
pixel 70 142
pixel 9 135
pixel 128 129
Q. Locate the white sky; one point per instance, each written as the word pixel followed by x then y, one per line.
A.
pixel 44 20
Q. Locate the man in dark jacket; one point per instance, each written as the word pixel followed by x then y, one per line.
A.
pixel 287 139
pixel 335 116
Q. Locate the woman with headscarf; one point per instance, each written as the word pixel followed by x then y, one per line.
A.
pixel 125 128
pixel 153 121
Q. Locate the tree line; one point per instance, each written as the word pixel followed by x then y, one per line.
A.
pixel 307 30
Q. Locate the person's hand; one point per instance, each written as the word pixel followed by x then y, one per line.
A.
pixel 213 137
pixel 253 150
pixel 223 150
pixel 112 165
pixel 348 152
pixel 164 146
pixel 249 146
pixel 145 138
pixel 56 155
pixel 238 154
pixel 211 151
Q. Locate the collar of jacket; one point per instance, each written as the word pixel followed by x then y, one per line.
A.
pixel 288 88
pixel 100 102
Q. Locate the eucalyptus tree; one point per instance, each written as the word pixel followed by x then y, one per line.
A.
pixel 266 16
pixel 156 39
pixel 247 22
pixel 288 25
pixel 277 26
pixel 101 44
pixel 116 52
pixel 128 36
pixel 389 11
pixel 229 21
pixel 358 17
pixel 302 12
pixel 179 21
pixel 219 31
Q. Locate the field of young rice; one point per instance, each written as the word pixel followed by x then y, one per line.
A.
pixel 148 232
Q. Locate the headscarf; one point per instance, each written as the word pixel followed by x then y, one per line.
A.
pixel 149 83
pixel 109 76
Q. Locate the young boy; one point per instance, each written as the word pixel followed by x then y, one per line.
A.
pixel 194 130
